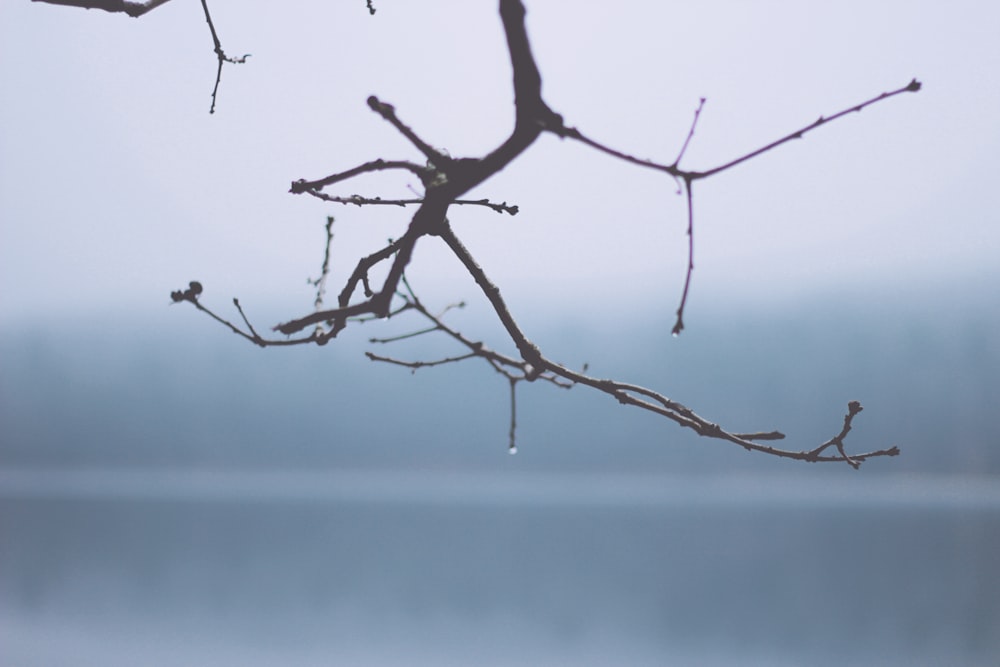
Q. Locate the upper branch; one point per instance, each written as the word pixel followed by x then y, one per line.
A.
pixel 527 78
pixel 672 169
pixel 133 9
pixel 912 87
pixel 219 54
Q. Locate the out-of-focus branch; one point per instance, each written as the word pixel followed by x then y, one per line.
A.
pixel 137 9
pixel 133 9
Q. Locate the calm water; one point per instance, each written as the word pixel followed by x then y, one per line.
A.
pixel 159 568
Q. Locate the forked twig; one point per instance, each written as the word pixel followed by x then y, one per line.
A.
pixel 219 54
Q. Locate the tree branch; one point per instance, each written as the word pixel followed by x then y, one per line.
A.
pixel 912 87
pixel 219 54
pixel 133 9
pixel 446 180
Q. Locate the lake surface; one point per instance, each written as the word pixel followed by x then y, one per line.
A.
pixel 157 567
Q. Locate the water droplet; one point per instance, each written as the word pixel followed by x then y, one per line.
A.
pixel 675 334
pixel 512 450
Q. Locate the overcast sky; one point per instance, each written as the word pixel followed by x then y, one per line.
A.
pixel 117 186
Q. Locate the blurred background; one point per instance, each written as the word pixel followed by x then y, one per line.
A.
pixel 170 494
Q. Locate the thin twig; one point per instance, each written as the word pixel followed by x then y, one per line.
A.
pixel 320 283
pixel 303 185
pixel 412 334
pixel 512 443
pixel 419 364
pixel 694 123
pixel 358 200
pixel 133 9
pixel 256 337
pixel 679 324
pixel 912 87
pixel 220 54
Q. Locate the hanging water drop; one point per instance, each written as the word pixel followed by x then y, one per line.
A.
pixel 512 450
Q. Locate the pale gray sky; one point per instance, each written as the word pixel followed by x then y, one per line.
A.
pixel 116 185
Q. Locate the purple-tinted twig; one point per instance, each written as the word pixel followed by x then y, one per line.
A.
pixel 358 200
pixel 853 408
pixel 512 434
pixel 536 365
pixel 194 291
pixel 414 365
pixel 412 334
pixel 912 87
pixel 388 112
pixel 133 9
pixel 220 54
pixel 672 169
pixel 320 283
pixel 679 324
pixel 256 337
pixel 302 185
pixel 690 135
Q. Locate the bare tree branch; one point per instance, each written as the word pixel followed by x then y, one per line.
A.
pixel 220 54
pixel 446 180
pixel 679 324
pixel 912 87
pixel 133 9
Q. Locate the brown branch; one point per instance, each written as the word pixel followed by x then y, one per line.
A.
pixel 912 87
pixel 220 55
pixel 133 9
pixel 194 291
pixel 679 324
pixel 688 177
pixel 694 124
pixel 853 408
pixel 338 316
pixel 320 283
pixel 516 370
pixel 512 434
pixel 438 159
pixel 672 169
pixel 536 364
pixel 302 185
pixel 358 200
pixel 529 351
pixel 446 180
pixel 419 364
